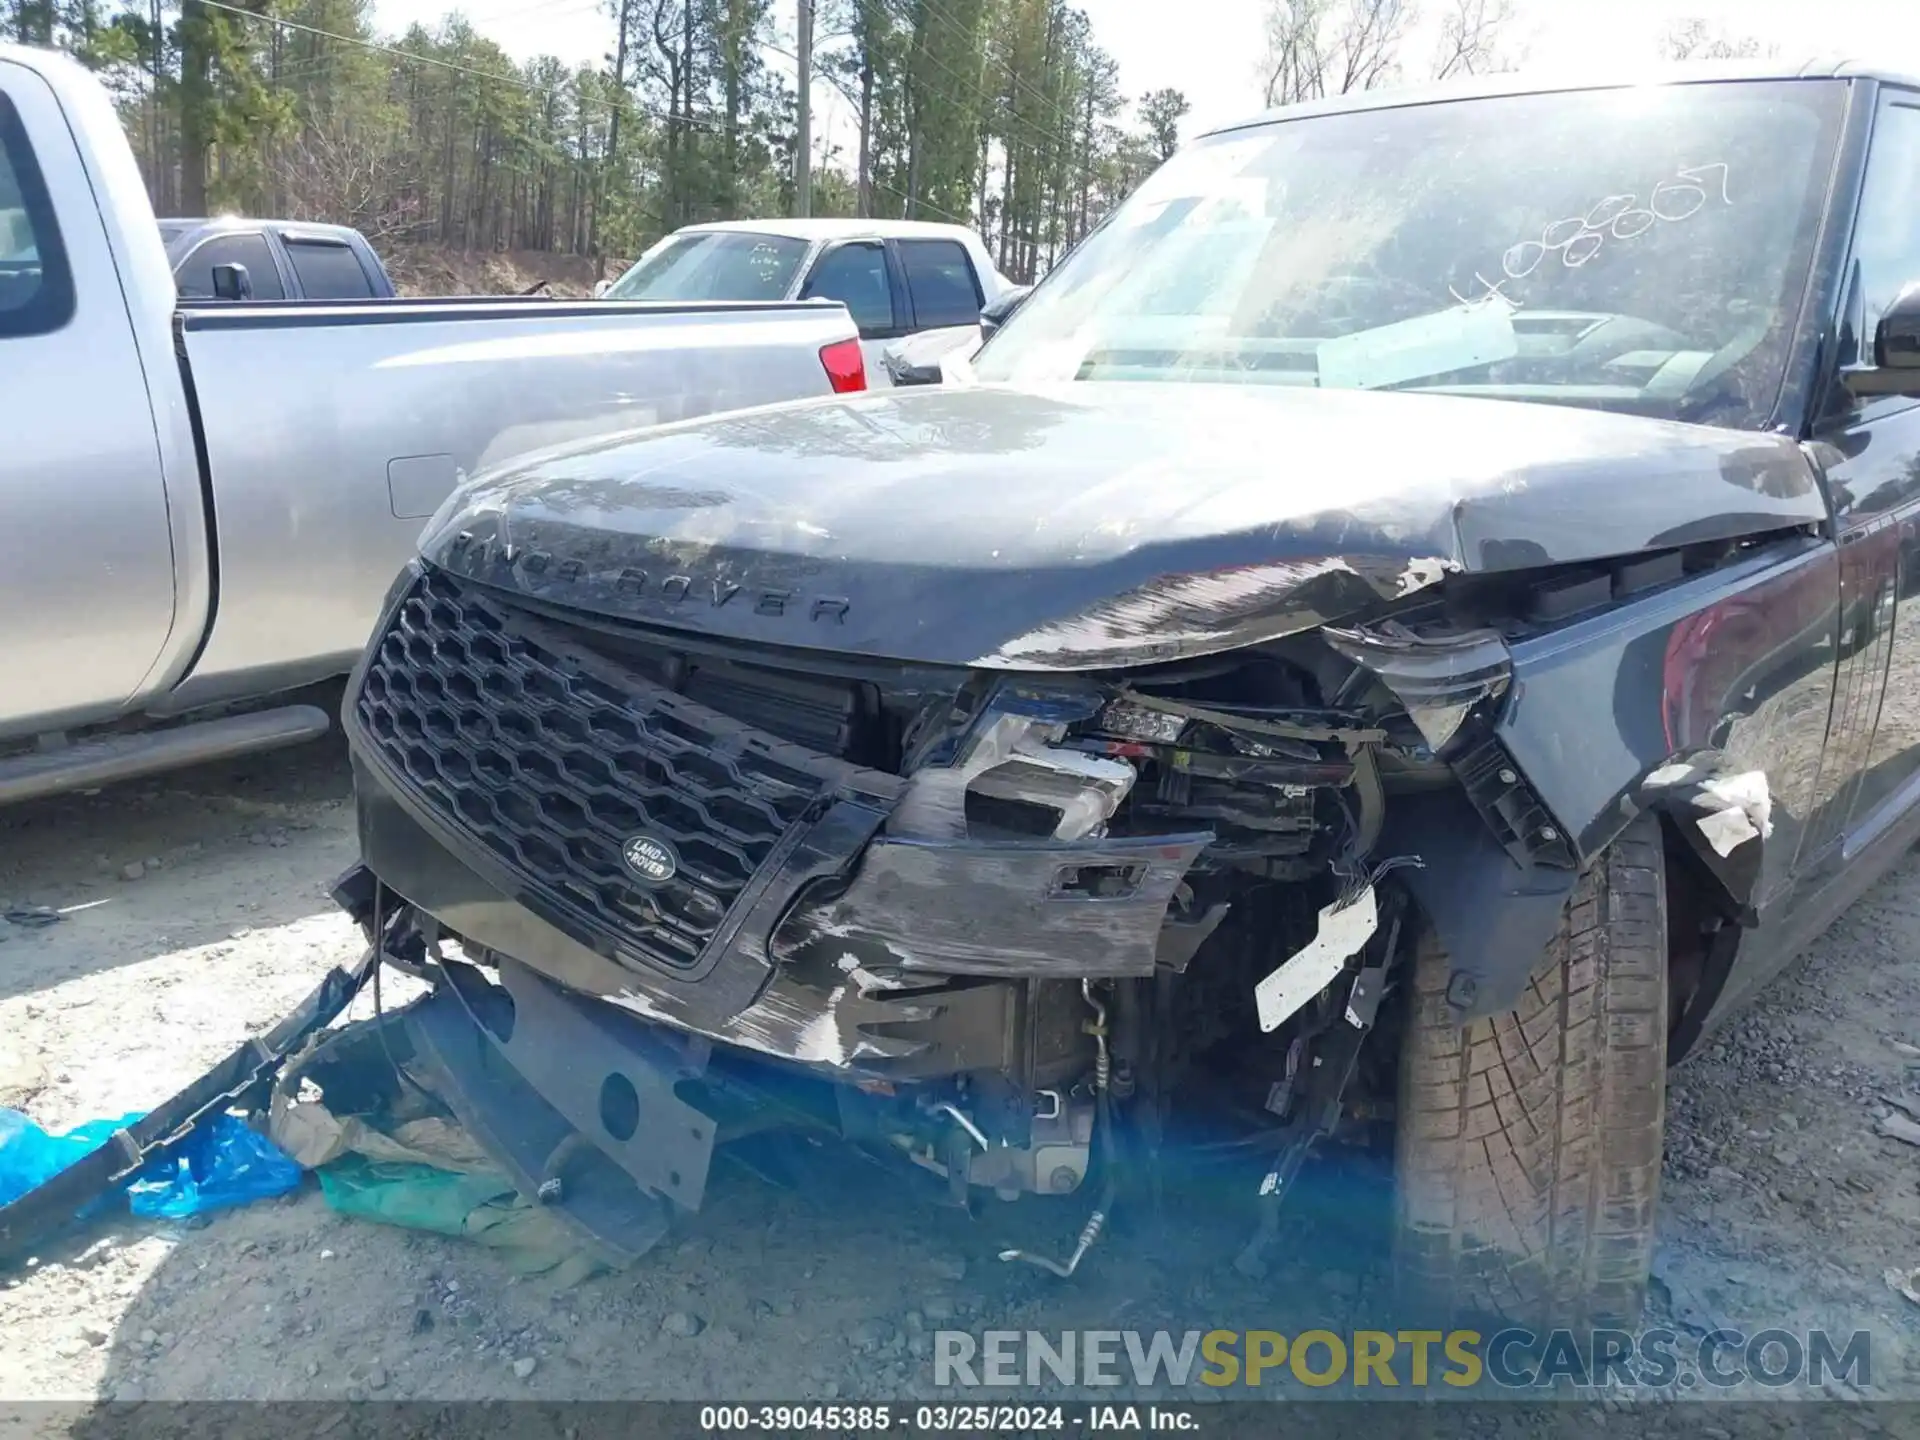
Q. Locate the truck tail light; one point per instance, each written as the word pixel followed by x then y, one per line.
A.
pixel 846 368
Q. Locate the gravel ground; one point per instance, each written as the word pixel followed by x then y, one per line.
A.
pixel 195 914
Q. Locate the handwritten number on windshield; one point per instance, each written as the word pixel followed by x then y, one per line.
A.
pixel 1577 239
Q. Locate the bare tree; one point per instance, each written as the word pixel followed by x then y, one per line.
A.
pixel 1470 38
pixel 1295 64
pixel 1695 39
pixel 351 174
pixel 1332 47
pixel 1366 46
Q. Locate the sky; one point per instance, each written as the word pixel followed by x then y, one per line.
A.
pixel 1210 49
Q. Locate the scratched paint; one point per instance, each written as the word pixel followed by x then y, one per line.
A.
pixel 1188 614
pixel 1094 524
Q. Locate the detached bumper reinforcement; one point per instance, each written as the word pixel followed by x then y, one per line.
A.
pixel 577 1106
pixel 240 1081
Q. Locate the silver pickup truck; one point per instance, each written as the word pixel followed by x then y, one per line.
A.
pixel 200 508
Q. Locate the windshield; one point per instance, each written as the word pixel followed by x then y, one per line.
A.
pixel 1642 250
pixel 713 265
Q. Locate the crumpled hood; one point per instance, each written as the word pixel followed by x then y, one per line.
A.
pixel 1092 524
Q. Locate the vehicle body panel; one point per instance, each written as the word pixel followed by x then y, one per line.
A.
pixel 1096 524
pixel 86 624
pixel 1646 706
pixel 1867 796
pixel 1088 526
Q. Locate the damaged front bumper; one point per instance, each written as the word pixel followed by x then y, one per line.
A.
pixel 657 899
pixel 911 972
pixel 631 843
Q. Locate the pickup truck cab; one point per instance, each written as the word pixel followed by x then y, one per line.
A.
pixel 201 506
pixel 283 259
pixel 1403 630
pixel 897 278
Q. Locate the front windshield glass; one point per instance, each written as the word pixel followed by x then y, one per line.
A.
pixel 714 265
pixel 1641 249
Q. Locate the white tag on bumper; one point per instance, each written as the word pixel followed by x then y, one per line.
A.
pixel 1343 933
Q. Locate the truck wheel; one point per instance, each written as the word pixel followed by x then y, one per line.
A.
pixel 1528 1147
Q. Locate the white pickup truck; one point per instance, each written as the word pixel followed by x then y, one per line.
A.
pixel 902 280
pixel 200 508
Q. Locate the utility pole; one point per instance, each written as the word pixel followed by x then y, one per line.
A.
pixel 803 138
pixel 196 105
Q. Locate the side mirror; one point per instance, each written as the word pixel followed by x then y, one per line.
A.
pixel 1896 351
pixel 998 311
pixel 231 282
pixel 910 369
pixel 1896 340
pixel 600 289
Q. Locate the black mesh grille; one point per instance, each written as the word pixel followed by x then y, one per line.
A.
pixel 551 757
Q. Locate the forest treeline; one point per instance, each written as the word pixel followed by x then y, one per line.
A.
pixel 1003 114
pixel 999 113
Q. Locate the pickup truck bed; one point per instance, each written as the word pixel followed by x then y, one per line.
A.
pixel 315 506
pixel 204 505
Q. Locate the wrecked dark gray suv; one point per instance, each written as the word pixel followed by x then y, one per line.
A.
pixel 1405 620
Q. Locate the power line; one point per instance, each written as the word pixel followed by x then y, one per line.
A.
pixel 980 90
pixel 1046 103
pixel 920 201
pixel 363 44
pixel 498 78
pixel 933 12
pixel 820 77
pixel 978 86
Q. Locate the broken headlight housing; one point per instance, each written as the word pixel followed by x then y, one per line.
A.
pixel 1439 678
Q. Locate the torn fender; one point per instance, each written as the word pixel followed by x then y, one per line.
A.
pixel 1725 817
pixel 1702 674
pixel 1687 702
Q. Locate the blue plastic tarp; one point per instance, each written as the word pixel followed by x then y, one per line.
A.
pixel 221 1164
pixel 31 1156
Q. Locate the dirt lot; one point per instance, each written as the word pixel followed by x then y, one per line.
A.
pixel 195 913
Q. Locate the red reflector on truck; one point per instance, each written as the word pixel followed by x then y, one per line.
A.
pixel 846 368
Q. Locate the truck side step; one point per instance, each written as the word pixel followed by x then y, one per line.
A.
pixel 90 764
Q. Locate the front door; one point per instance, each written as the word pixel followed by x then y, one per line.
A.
pixel 857 275
pixel 1869 773
pixel 1873 766
pixel 87 585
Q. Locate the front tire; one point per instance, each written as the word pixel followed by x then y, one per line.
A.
pixel 1529 1144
